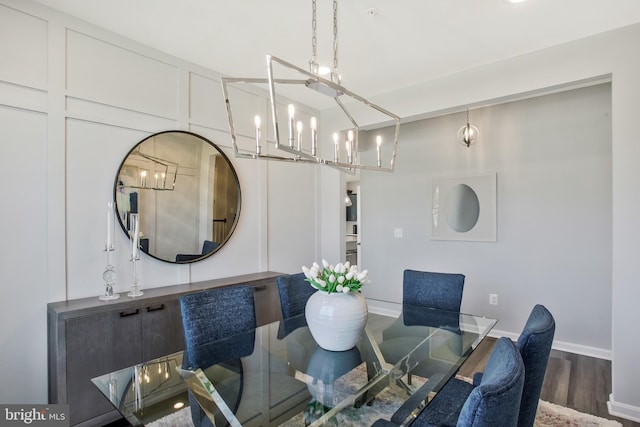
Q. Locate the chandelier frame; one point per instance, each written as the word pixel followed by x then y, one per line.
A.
pixel 292 152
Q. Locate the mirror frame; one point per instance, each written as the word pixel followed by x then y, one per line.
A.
pixel 233 172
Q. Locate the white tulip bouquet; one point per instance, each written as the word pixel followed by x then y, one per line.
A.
pixel 339 278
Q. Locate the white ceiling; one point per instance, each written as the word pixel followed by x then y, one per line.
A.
pixel 407 42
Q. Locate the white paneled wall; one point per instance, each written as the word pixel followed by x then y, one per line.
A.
pixel 73 101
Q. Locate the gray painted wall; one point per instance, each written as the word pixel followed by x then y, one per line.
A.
pixel 552 156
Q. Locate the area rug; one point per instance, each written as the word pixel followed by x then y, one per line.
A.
pixel 552 415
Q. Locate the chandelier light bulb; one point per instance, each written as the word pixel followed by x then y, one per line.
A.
pixel 256 120
pixel 299 133
pixel 323 71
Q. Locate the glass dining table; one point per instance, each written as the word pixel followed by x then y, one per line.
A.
pixel 276 374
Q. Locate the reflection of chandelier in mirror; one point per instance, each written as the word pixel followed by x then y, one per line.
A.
pixel 301 141
pixel 154 176
pixel 468 134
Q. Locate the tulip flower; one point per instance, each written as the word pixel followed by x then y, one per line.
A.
pixel 341 277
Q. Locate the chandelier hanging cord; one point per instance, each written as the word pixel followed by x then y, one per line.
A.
pixel 313 63
pixel 335 76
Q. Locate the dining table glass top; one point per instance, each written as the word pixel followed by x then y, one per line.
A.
pixel 276 374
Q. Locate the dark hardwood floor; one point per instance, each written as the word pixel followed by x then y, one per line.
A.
pixel 575 381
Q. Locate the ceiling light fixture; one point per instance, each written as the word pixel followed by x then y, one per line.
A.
pixel 468 134
pixel 293 133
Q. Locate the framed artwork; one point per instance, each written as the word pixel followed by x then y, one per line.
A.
pixel 464 208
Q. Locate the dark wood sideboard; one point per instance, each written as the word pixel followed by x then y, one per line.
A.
pixel 88 337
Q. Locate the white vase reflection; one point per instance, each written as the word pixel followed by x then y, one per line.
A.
pixel 325 367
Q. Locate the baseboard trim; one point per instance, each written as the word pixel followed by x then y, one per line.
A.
pixel 393 309
pixel 384 308
pixel 623 410
pixel 584 350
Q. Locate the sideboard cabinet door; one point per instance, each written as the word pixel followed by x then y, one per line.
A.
pixel 96 345
pixel 161 330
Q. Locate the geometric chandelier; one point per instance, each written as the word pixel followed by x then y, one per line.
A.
pixel 293 134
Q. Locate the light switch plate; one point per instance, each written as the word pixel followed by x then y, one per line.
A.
pixel 397 233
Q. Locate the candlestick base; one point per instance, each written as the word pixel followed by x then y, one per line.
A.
pixel 109 277
pixel 135 289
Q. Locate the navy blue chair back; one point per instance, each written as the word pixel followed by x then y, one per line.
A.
pixel 214 315
pixel 534 345
pixel 294 292
pixel 442 291
pixel 496 400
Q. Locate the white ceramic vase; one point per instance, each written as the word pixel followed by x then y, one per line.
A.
pixel 336 320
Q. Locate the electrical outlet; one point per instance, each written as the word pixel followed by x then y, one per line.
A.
pixel 397 233
pixel 493 299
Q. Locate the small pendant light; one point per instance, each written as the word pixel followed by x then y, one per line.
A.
pixel 468 134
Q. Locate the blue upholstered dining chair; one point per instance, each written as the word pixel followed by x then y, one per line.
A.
pixel 421 292
pixel 213 315
pixel 442 291
pixel 495 401
pixel 294 292
pixel 534 345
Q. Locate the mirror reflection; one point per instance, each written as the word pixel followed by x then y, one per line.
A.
pixel 463 208
pixel 186 193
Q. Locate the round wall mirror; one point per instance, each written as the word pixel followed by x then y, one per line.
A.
pixel 185 192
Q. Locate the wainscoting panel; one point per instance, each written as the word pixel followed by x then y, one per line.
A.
pixel 206 102
pixel 108 114
pixel 23 97
pixel 24 48
pixel 113 75
pixel 23 274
